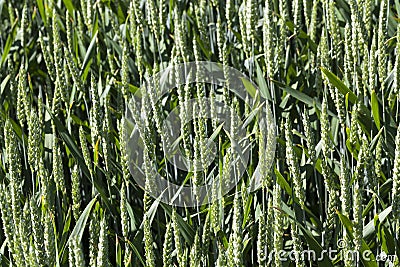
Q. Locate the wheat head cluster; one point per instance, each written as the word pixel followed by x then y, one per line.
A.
pixel 328 70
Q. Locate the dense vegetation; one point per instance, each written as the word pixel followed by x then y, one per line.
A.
pixel 329 70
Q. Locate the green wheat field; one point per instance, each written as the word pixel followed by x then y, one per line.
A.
pixel 328 70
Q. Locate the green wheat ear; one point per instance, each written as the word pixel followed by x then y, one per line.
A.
pixel 58 172
pixel 168 246
pixel 67 70
pixel 221 260
pixel 179 249
pixel 23 105
pixel 76 256
pixel 236 237
pixel 293 165
pixel 206 237
pixel 85 150
pixel 195 252
pixel 345 192
pixel 76 181
pixel 268 36
pixel 381 50
pixel 103 248
pixel 148 241
pixel 124 212
pixel 297 245
pixel 277 225
pixel 310 138
pixel 396 183
pixel 94 237
pixel 262 241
